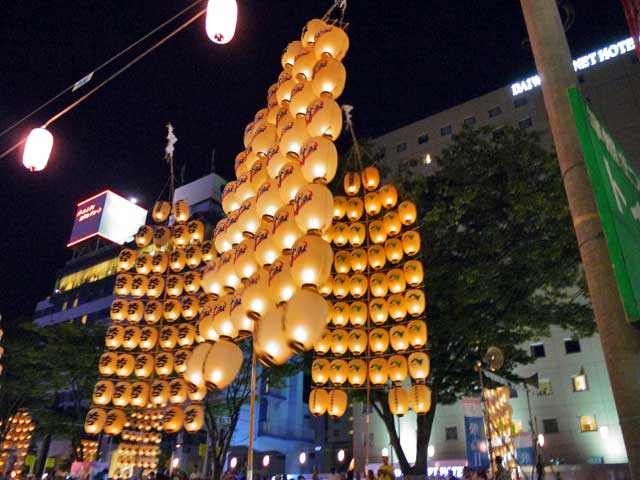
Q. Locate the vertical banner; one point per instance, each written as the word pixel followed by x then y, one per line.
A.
pixel 477 455
pixel 524 448
pixel 632 12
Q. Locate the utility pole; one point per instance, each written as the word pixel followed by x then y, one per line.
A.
pixel 620 341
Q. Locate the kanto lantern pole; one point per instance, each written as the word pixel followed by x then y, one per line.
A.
pixel 620 341
pixel 252 413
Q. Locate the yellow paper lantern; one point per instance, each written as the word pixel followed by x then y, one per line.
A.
pixel 144 364
pixel 338 372
pixel 370 178
pixel 419 366
pixel 161 211
pixel 124 365
pixel 305 317
pixel 228 197
pixel 155 286
pixel 153 311
pixel 303 62
pixel 177 391
pixel 191 282
pixel 244 189
pixel 126 259
pixel 340 314
pixel 378 371
pixel 357 372
pixel 392 223
pixel 378 310
pixel 388 196
pixel 358 260
pixel 175 285
pixel 313 208
pixel 323 345
pixel 107 363
pixel 319 159
pixel 255 297
pixel 331 41
pixel 266 250
pixel 418 332
pixel 328 78
pixel 320 371
pixel 161 236
pixel 281 284
pixel 324 117
pixel 301 96
pixel 180 235
pixel 205 326
pixel 378 340
pixel 339 341
pixel 420 399
pixel 339 207
pixel 177 260
pixel 102 392
pixel 139 285
pixel 139 394
pixel 193 418
pixel 393 250
pixel 416 302
pixel 163 364
pixel 397 368
pixel 122 284
pixel 284 87
pixel 357 341
pixel 168 337
pixel 118 310
pixel 159 262
pixel 172 419
pixel 181 211
pixel 378 285
pixel 355 208
pixel 372 204
pixel 376 256
pixel 311 259
pixel 180 359
pixel 222 323
pixel 95 420
pixel 318 401
pixel 244 260
pixel 160 392
pixel 271 341
pixel 226 272
pixel 274 162
pixel 208 251
pixel 396 280
pixel 377 232
pixel 193 255
pixel 143 263
pixel 131 337
pixel 399 337
pixel 248 219
pixel 358 285
pixel 293 135
pixel 408 212
pixel 398 401
pixel 337 403
pixel 358 313
pixel 311 28
pixel 172 310
pixel 340 234
pixel 264 136
pixel 195 228
pixel 397 307
pixel 121 394
pixel 326 288
pixel 357 234
pixel 285 229
pixel 114 336
pixel 413 272
pixel 342 261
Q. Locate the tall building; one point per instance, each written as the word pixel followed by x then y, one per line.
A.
pixel 573 407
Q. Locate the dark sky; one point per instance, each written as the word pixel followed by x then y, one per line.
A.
pixel 407 59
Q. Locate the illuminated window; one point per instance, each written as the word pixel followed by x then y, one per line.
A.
pixel 89 274
pixel 446 130
pixel 588 423
pixel 537 350
pixel 571 345
pixel 75 302
pixel 426 159
pixel 550 425
pixel 64 306
pixel 424 138
pixel 544 386
pixel 401 147
pixel 580 383
pixel 83 320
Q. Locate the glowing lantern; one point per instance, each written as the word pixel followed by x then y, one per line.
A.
pixel 153 311
pixel 222 323
pixel 37 149
pixel 139 285
pixel 358 313
pixel 358 260
pixel 377 232
pixel 337 403
pixel 266 250
pixel 338 372
pixel 318 401
pixel 107 363
pixel 186 334
pixel 324 117
pixel 144 235
pixel 285 229
pixel 378 284
pixel 293 135
pixel 284 87
pixel 226 273
pixel 228 198
pixel 358 285
pixel 305 317
pixel 161 236
pixel 193 254
pixel 291 181
pixel 143 263
pixel 340 314
pixel 396 280
pixel 244 261
pixel 397 307
pixel 172 310
pixel 355 208
pixel 113 337
pixel 160 392
pixel 397 368
pixel 311 259
pixel 331 41
pixel 323 345
pixel 377 256
pixel 222 17
pixel 340 234
pixel 177 260
pixel 281 284
pixel 378 310
pixel 398 401
pixel 264 137
pixel 413 272
pixel 420 399
pixel 290 53
pixel 181 211
pixel 417 333
pixel 419 365
pixel 407 211
pixel 139 394
pixel 339 341
pixel 357 234
pixel 155 286
pixel 135 311
pixel 378 340
pixel 274 162
pixel 339 207
pixel 302 69
pixel 206 322
pixel 168 337
pixel 173 416
pixel 159 262
pixel 177 391
pixel 193 418
pixel 268 199
pixel 399 337
pixel 118 310
pixel 143 366
pixel 175 285
pixel 126 259
pixel 243 189
pixel 388 196
pixel 94 421
pixel 148 338
pixel 220 236
pixel 326 288
pixel 121 394
pixel 124 365
pixel 122 285
pixel 416 302
pixel 255 297
pixel 180 360
pixel 191 282
pixel 357 372
pixel 392 224
pixel 372 203
pixel 180 235
pixel 102 392
pixel 301 96
pixel 163 364
pixel 270 338
pixel 313 208
pixel 208 251
pixel 357 341
pixel 378 371
pixel 393 250
pixel 161 211
pixel 342 261
pixel 320 371
pixel 328 77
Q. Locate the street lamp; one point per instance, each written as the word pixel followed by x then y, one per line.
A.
pixel 37 149
pixel 341 455
pixel 303 458
pixel 541 440
pixel 222 17
pixel 265 461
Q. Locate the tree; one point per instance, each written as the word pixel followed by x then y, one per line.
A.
pixel 500 260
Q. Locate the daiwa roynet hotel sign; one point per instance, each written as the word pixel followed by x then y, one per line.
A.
pixel 582 63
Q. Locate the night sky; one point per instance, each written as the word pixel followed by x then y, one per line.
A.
pixel 408 59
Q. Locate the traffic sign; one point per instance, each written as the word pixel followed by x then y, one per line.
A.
pixel 616 184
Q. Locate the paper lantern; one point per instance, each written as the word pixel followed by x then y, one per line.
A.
pixel 357 234
pixel 355 208
pixel 388 196
pixel 396 280
pixel 358 285
pixel 358 260
pixel 265 250
pixel 290 53
pixel 126 259
pixel 122 286
pixel 37 149
pixel 293 135
pixel 397 307
pixel 107 363
pixel 378 285
pixel 399 337
pixel 222 323
pixel 398 401
pixel 248 219
pixel 372 203
pixel 331 41
pixel 159 393
pixel 413 272
pixel 121 394
pixel 113 337
pixel 177 260
pixel 168 337
pixel 186 331
pixel 320 371
pixel 303 62
pixel 205 326
pixel 340 314
pixel 95 420
pixel 118 310
pixel 281 284
pixel 301 96
pixel 159 262
pixel 358 313
pixel 208 251
pixel 161 236
pixel 313 208
pixel 283 89
pixel 338 372
pixel 378 340
pixel 319 160
pixel 193 254
pixel 376 256
pixel 324 117
pixel 221 20
pixel 181 211
pixel 143 263
pixel 271 341
pixel 305 318
pixel 228 198
pixel 195 228
pixel 407 211
pixel 323 345
pixel 155 286
pixel 311 259
pixel 417 330
pixel 342 261
pixel 124 365
pixel 163 365
pixel 244 189
pixel 226 273
pixel 143 366
pixel 211 281
pixel 340 234
pixel 194 372
pixel 420 399
pixel 244 261
pixel 318 401
pixel 419 365
pixel 139 285
pixel 172 310
pixel 153 311
pixel 377 232
pixel 161 211
pixel 415 301
pixel 131 336
pixel 339 207
pixel 378 310
pixel 191 282
pixel 177 391
pixel 264 137
pixel 370 179
pixel 378 371
pixel 175 285
pixel 173 417
pixel 285 229
pixel 326 288
pixel 392 223
pixel 255 297
pixel 102 392
pixel 139 394
pixel 193 418
pixel 328 77
pixel 339 341
pixel 357 341
pixel 397 368
pixel 144 235
pixel 180 235
pixel 337 403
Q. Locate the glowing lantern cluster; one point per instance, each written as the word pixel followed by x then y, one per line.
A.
pixel 377 332
pixel 16 441
pixel 500 423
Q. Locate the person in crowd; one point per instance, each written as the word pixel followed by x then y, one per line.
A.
pixel 315 475
pixel 385 472
pixel 333 475
pixel 501 473
pixel 371 475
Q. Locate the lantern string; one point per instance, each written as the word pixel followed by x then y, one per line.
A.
pixel 342 5
pixel 97 69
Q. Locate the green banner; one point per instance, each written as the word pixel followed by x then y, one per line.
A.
pixel 616 184
pixel 30 460
pixel 202 450
pixel 50 462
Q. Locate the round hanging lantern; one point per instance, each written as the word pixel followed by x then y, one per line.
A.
pixel 417 333
pixel 281 284
pixel 226 272
pixel 340 314
pixel 180 359
pixel 153 310
pixel 194 374
pixel 357 372
pixel 419 366
pixel 305 318
pixel 177 260
pixel 320 371
pixel 398 401
pixel 340 285
pixel 155 287
pixel 300 98
pixel 228 198
pixel 311 259
pixel 121 394
pixel 337 403
pixel 342 261
pixel 107 363
pixel 303 63
pixel 283 117
pixel 378 340
pixel 159 262
pixel 161 236
pixel 222 323
pixel 131 337
pixel 168 337
pixel 191 282
pixel 313 208
pixel 95 420
pixel 388 196
pixel 396 280
pixel 114 336
pixel 271 340
pixel 358 260
pixel 377 256
pixel 370 178
pixel 172 310
pixel 139 394
pixel 285 229
pixel 407 211
pixel 397 368
pixel 377 232
pixel 339 207
pixel 102 392
pixel 393 250
pixel 163 364
pixel 284 87
pixel 357 234
pixel 175 285
pixel 338 372
pixel 355 208
pixel 248 219
pixel 420 399
pixel 274 161
pixel 221 20
pixel 118 311
pixel 206 322
pixel 392 223
pixel 331 41
pixel 124 365
pixel 378 371
pixel 246 139
pixel 181 211
pixel 211 281
pixel 351 183
pixel 357 341
pixel 318 401
pixel 339 341
pixel 144 235
pixel 266 250
pixel 143 263
pixel 195 228
pixel 126 259
pixel 173 416
pixel 415 301
pixel 294 134
pixel 378 310
pixel 327 235
pixel 143 366
pixel 264 137
pixel 161 211
pixel 208 251
pixel 311 28
pixel 319 159
pixel 358 313
pixel 244 260
pixel 340 234
pixel 148 338
pixel 193 418
pixel 258 174
pixel 397 307
pixel 244 189
pixel 413 272
pixel 326 288
pixel 358 285
pixel 139 285
pixel 180 235
pixel 255 297
pixel 122 284
pixel 378 284
pixel 328 77
pixel 177 391
pixel 290 181
pixel 323 345
pixel 194 255
pixel 290 53
pixel 372 203
pixel 324 117
pixel 160 392
pixel 399 337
